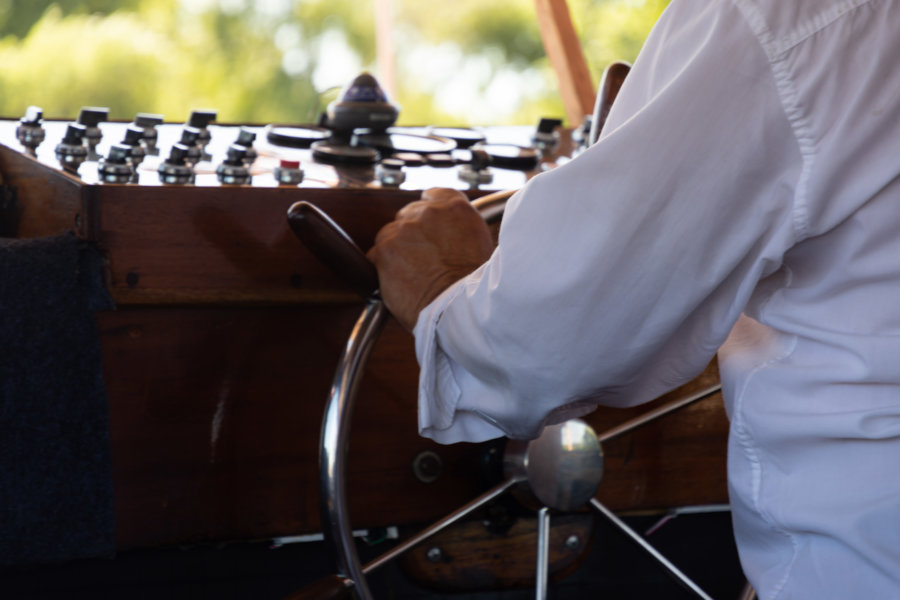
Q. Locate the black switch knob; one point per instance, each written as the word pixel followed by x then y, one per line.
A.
pixel 133 137
pixel 91 117
pixel 477 171
pixel 176 169
pixel 546 136
pixel 190 139
pixel 74 134
pixel 245 139
pixel 200 120
pixel 148 122
pixel 116 167
pixel 71 151
pixel 233 170
pixel 30 132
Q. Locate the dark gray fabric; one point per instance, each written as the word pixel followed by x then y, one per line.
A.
pixel 56 497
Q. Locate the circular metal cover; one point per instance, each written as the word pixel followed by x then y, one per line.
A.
pixel 410 159
pixel 463 136
pixel 296 137
pixel 510 156
pixel 563 467
pixel 441 160
pixel 405 142
pixel 342 154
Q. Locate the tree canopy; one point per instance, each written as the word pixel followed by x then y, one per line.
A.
pixel 462 63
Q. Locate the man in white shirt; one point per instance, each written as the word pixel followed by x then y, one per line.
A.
pixel 744 199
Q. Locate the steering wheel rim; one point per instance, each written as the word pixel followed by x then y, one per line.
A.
pixel 310 223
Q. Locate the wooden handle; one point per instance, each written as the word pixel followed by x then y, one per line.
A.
pixel 610 83
pixel 333 247
pixel 491 206
pixel 332 587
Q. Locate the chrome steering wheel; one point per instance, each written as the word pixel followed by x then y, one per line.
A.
pixel 562 468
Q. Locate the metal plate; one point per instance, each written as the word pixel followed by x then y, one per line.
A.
pixel 391 142
pixel 296 137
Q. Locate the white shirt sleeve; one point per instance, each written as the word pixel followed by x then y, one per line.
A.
pixel 619 274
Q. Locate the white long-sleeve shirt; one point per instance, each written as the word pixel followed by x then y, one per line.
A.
pixel 745 198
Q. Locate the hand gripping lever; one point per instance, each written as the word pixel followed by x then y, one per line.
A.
pixel 333 248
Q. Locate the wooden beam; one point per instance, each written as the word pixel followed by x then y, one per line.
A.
pixel 567 59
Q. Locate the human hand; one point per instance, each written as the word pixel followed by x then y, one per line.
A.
pixel 432 243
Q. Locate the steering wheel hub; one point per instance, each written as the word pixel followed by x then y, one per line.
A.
pixel 562 468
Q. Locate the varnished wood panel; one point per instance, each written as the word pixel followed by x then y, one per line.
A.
pixel 215 421
pixel 219 357
pixel 50 201
pixel 676 461
pixel 473 558
pixel 218 245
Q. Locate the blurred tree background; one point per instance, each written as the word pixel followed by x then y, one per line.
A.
pixel 465 62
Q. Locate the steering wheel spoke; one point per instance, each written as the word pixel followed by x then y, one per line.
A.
pixel 665 563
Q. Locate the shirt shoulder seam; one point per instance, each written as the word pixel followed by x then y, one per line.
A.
pixel 788 97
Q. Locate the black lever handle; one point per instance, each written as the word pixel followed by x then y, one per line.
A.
pixel 333 247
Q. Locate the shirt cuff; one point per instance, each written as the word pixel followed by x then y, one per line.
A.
pixel 439 388
pixel 438 391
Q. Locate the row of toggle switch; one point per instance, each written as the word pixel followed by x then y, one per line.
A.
pixel 81 138
pixel 400 148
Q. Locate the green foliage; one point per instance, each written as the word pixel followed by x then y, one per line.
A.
pixel 355 18
pixel 494 38
pixel 54 69
pixel 149 60
pixel 613 30
pixel 465 62
pixel 18 16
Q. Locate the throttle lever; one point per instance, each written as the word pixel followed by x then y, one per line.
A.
pixel 333 247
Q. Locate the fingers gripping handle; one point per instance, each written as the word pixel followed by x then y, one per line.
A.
pixel 333 247
pixel 336 250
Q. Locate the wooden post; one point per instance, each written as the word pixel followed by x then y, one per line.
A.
pixel 567 59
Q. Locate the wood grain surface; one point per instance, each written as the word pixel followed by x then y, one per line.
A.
pixel 220 354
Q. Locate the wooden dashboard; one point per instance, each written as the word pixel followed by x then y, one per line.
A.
pixel 220 352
